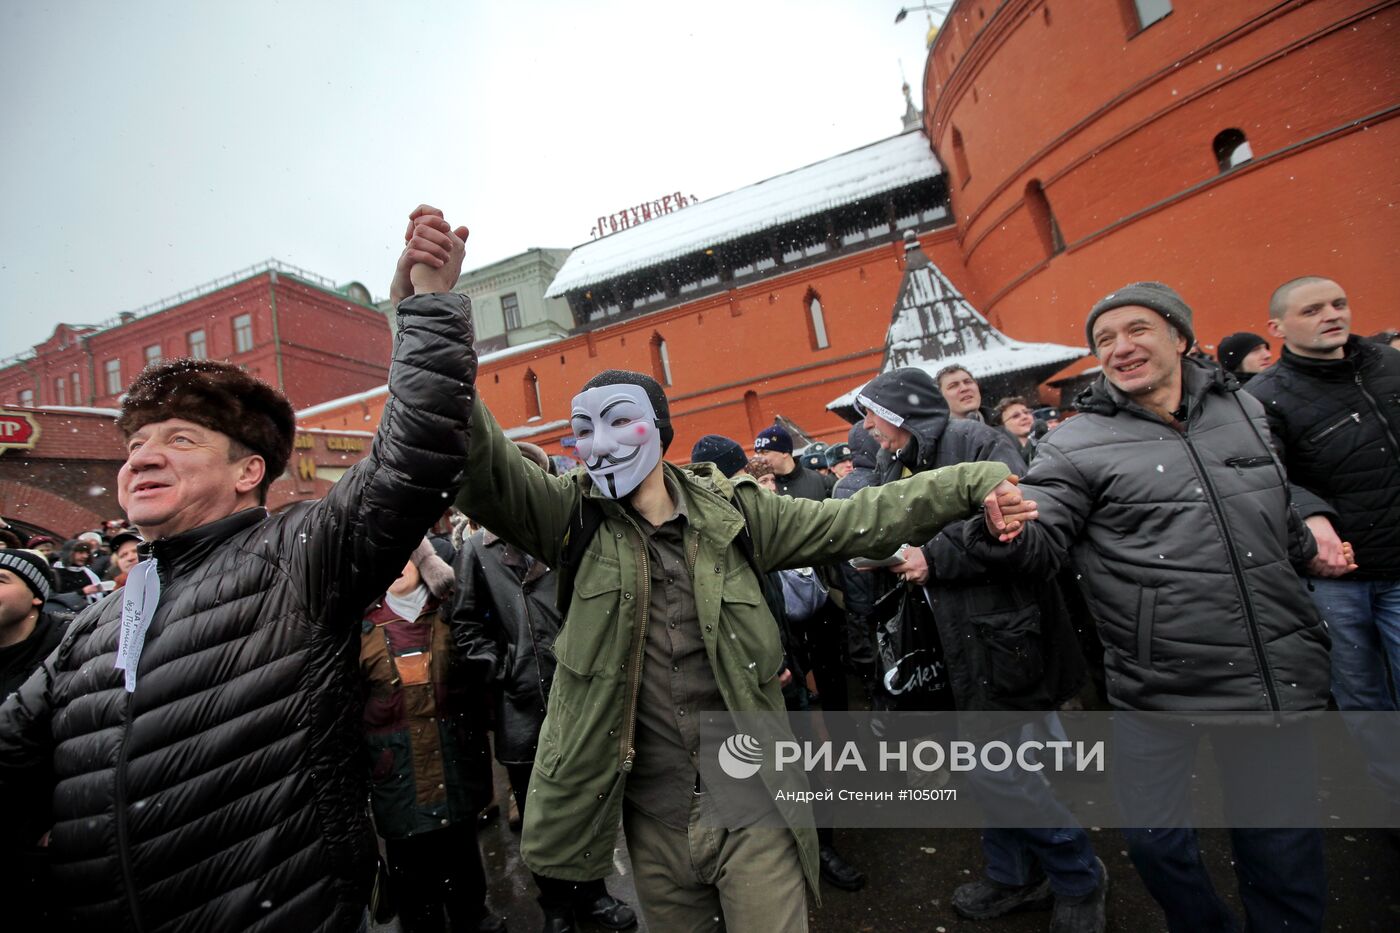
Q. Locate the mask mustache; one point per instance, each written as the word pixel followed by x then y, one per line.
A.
pixel 610 460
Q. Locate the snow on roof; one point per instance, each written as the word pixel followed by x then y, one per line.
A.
pixel 529 430
pixel 843 179
pixel 82 410
pixel 934 326
pixel 368 395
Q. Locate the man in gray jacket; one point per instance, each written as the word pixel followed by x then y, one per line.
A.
pixel 1167 496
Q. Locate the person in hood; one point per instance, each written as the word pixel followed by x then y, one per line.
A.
pixel 214 704
pixel 1166 495
pixel 665 618
pixel 1028 661
pixel 1244 355
pixel 774 444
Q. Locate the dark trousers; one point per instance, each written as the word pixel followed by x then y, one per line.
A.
pixel 434 871
pixel 1283 881
pixel 555 893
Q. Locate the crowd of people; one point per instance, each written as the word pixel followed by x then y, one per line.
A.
pixel 287 720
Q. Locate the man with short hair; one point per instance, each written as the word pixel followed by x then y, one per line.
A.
pixel 204 727
pixel 1165 493
pixel 666 619
pixel 774 444
pixel 1331 403
pixel 962 394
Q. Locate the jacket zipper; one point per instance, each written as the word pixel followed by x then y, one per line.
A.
pixel 122 841
pixel 1250 621
pixel 1375 406
pixel 629 734
pixel 1340 423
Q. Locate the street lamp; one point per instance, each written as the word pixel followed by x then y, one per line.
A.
pixel 932 7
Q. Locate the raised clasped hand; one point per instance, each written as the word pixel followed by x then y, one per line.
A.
pixel 431 260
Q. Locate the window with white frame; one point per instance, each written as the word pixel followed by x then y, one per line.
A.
pixel 113 370
pixel 242 333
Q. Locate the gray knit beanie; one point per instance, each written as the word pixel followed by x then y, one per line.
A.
pixel 1154 295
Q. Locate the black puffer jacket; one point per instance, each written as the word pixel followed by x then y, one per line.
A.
pixel 1186 545
pixel 227 792
pixel 1006 636
pixel 504 622
pixel 1336 423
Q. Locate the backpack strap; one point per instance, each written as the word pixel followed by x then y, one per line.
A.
pixel 584 522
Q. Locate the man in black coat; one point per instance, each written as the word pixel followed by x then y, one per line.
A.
pixel 203 727
pixel 1333 403
pixel 1007 644
pixel 774 445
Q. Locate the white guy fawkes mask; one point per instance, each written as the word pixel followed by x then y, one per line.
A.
pixel 617 437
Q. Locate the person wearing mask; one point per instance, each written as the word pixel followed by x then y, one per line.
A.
pixel 505 618
pixel 670 569
pixel 1244 355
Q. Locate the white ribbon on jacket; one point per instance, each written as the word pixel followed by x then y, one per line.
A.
pixel 140 598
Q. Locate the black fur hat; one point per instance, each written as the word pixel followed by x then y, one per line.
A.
pixel 219 396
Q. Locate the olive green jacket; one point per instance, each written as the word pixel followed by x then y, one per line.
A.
pixel 585 749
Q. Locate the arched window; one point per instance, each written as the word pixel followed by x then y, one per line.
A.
pixel 1043 218
pixel 533 407
pixel 660 360
pixel 1231 148
pixel 816 321
pixel 960 158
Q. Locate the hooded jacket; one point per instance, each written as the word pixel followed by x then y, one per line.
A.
pixel 1007 638
pixel 586 745
pixel 1336 424
pixel 227 791
pixel 1186 546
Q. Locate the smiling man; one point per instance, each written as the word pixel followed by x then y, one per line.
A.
pixel 1165 494
pixel 665 619
pixel 202 726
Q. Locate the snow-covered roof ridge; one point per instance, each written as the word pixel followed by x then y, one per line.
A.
pixel 843 179
pixel 934 326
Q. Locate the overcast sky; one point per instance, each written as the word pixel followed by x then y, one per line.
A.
pixel 150 147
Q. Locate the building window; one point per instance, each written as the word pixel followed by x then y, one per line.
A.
pixel 660 360
pixel 1148 12
pixel 533 406
pixel 243 333
pixel 26 398
pixel 199 348
pixel 816 322
pixel 77 384
pixel 152 354
pixel 510 310
pixel 1231 149
pixel 960 158
pixel 113 369
pixel 1043 218
pixel 60 391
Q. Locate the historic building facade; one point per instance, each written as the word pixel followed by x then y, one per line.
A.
pixel 287 326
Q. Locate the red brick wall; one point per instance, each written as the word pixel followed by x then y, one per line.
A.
pixel 1118 126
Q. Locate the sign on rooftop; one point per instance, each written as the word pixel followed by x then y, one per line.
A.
pixel 640 214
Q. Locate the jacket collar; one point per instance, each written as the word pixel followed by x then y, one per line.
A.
pixel 380 613
pixel 1198 379
pixel 1356 353
pixel 927 431
pixel 181 553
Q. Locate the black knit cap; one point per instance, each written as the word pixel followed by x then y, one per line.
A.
pixel 1154 295
pixel 903 393
pixel 219 396
pixel 1234 348
pixel 622 377
pixel 722 451
pixel 31 567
